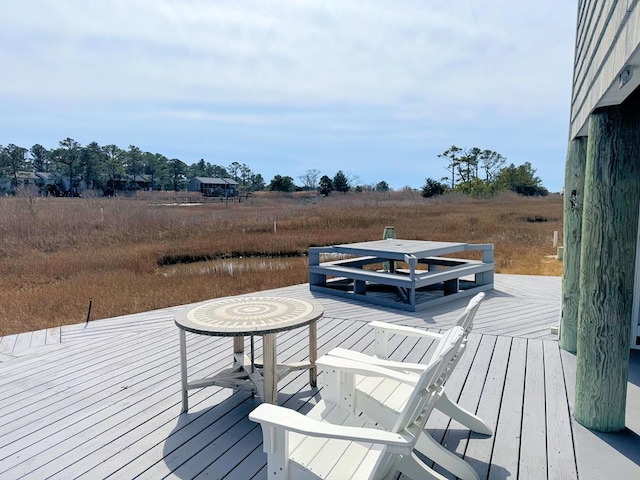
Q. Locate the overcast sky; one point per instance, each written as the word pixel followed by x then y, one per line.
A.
pixel 375 88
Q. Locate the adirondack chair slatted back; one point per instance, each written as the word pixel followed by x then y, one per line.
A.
pixel 465 319
pixel 439 368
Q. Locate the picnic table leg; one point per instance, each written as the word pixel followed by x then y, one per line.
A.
pixel 183 371
pixel 313 353
pixel 487 257
pixel 238 347
pixel 451 286
pixel 412 261
pixel 270 376
pixel 316 278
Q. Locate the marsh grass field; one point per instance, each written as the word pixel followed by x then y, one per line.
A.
pixel 156 250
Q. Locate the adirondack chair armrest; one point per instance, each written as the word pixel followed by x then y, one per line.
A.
pixel 346 365
pixel 364 358
pixel 279 418
pixel 404 331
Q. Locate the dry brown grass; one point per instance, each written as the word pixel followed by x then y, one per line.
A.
pixel 57 253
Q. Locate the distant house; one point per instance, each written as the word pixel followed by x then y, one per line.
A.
pixel 42 183
pixel 20 180
pixel 126 183
pixel 27 179
pixel 213 187
pixel 34 180
pixel 46 178
pixel 64 189
pixel 48 183
pixel 142 182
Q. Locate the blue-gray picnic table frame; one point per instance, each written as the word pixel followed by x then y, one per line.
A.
pixel 430 278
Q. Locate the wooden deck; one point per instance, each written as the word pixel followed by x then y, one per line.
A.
pixel 103 400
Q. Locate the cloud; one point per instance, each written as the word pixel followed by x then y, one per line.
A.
pixel 402 53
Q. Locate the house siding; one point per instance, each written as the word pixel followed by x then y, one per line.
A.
pixel 209 186
pixel 607 40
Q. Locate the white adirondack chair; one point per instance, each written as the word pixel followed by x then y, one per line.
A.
pixel 371 391
pixel 381 399
pixel 331 442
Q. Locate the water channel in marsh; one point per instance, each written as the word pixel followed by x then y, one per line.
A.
pixel 231 267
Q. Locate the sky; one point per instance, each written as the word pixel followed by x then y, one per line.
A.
pixel 374 88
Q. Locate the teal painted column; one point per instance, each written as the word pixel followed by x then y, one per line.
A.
pixel 572 241
pixel 607 263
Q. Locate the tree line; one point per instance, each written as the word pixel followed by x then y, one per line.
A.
pixel 312 180
pixel 110 168
pixel 478 172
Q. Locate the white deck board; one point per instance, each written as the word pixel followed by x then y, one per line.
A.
pixel 53 335
pixel 480 447
pixel 7 343
pixel 533 458
pixel 506 450
pixel 438 423
pixel 105 402
pixel 559 432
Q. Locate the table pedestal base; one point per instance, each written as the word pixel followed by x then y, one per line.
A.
pixel 260 378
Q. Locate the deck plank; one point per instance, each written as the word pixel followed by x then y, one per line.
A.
pixel 480 448
pixel 438 422
pixel 23 341
pixel 533 442
pixel 457 436
pixel 53 335
pixel 559 431
pixel 38 338
pixel 7 343
pixel 506 451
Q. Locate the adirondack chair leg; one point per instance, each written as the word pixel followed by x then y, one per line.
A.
pixel 275 443
pixel 411 466
pixel 466 418
pixel 443 457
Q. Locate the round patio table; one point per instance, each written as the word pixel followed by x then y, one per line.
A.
pixel 249 316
